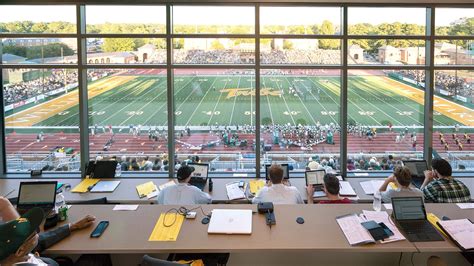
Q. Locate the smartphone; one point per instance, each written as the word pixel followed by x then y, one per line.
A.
pixel 100 228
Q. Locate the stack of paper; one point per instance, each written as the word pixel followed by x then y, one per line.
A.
pixel 355 233
pixel 461 231
pixel 256 185
pixel 145 189
pixel 371 186
pixel 234 191
pixel 465 205
pixel 123 207
pixel 382 217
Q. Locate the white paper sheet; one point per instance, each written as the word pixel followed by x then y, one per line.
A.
pixel 465 205
pixel 388 206
pixel 371 186
pixel 234 191
pixel 462 231
pixel 123 207
pixel 346 189
pixel 355 233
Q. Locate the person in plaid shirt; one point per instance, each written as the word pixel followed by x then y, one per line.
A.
pixel 440 187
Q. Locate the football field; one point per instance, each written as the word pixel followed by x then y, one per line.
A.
pixel 203 100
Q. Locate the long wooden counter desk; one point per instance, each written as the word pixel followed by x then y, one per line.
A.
pixel 126 191
pixel 129 231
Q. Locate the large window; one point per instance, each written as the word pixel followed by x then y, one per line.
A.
pixel 130 69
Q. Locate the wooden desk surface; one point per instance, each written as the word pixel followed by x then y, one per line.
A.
pixel 128 232
pixel 126 192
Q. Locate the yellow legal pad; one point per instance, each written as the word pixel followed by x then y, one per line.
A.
pixel 393 185
pixel 84 185
pixel 163 233
pixel 146 188
pixel 256 185
pixel 433 219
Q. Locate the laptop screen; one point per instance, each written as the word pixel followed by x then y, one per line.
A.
pixel 200 170
pixel 37 194
pixel 416 168
pixel 286 173
pixel 315 177
pixel 409 208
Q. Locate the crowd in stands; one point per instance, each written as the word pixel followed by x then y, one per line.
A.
pixel 455 85
pixel 315 56
pixel 14 93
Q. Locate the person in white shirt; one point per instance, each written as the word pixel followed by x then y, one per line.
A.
pixel 401 177
pixel 183 193
pixel 277 192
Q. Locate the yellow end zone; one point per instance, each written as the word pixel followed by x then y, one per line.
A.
pixel 462 114
pixel 43 111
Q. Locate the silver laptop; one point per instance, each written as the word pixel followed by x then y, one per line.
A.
pixel 105 186
pixel 230 222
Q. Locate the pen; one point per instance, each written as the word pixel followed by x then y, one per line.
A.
pixel 8 194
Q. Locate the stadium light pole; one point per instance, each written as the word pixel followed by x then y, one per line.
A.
pixel 82 83
pixel 429 86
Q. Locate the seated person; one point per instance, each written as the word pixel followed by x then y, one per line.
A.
pixel 440 187
pixel 402 178
pixel 331 188
pixel 277 192
pixel 183 193
pixel 39 242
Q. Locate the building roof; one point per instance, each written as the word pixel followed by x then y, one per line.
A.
pixel 387 47
pixel 112 54
pixel 11 57
pixel 355 47
pixel 147 46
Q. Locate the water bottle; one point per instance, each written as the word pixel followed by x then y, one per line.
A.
pixel 377 205
pixel 118 170
pixel 60 201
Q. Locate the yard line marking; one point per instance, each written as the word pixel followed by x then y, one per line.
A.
pixel 235 100
pixel 191 116
pixel 269 106
pixel 218 100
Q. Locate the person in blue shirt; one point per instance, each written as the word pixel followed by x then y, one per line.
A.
pixel 183 193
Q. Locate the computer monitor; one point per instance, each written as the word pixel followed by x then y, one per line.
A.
pixel 315 177
pixel 286 172
pixel 101 169
pixel 417 169
pixel 37 194
pixel 408 208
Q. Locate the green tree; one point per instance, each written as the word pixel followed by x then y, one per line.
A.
pixel 327 28
pixel 118 45
pixel 287 44
pixel 217 45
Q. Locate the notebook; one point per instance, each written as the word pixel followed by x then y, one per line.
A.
pixel 460 231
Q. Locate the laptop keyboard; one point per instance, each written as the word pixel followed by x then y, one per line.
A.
pixel 418 228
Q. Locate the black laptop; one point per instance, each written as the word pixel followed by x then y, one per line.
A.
pixel 286 172
pixel 101 169
pixel 417 170
pixel 200 175
pixel 40 194
pixel 410 215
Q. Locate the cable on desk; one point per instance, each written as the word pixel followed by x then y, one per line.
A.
pixel 181 211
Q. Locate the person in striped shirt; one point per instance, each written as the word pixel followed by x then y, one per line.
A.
pixel 440 187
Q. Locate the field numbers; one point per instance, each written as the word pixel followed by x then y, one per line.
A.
pixel 211 112
pixel 178 113
pixel 405 113
pixel 96 113
pixel 328 113
pixel 249 113
pixel 366 113
pixel 291 112
pixel 436 113
pixel 63 113
pixel 132 113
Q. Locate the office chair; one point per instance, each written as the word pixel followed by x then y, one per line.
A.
pixel 92 202
pixel 150 261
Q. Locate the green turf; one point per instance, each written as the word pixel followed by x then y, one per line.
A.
pixel 199 101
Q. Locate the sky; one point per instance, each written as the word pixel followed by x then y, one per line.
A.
pixel 228 15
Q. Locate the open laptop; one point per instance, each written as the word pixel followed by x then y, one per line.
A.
pixel 286 172
pixel 200 175
pixel 316 179
pixel 40 194
pixel 230 222
pixel 409 213
pixel 417 169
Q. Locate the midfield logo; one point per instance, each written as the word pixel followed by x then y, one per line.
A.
pixel 250 92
